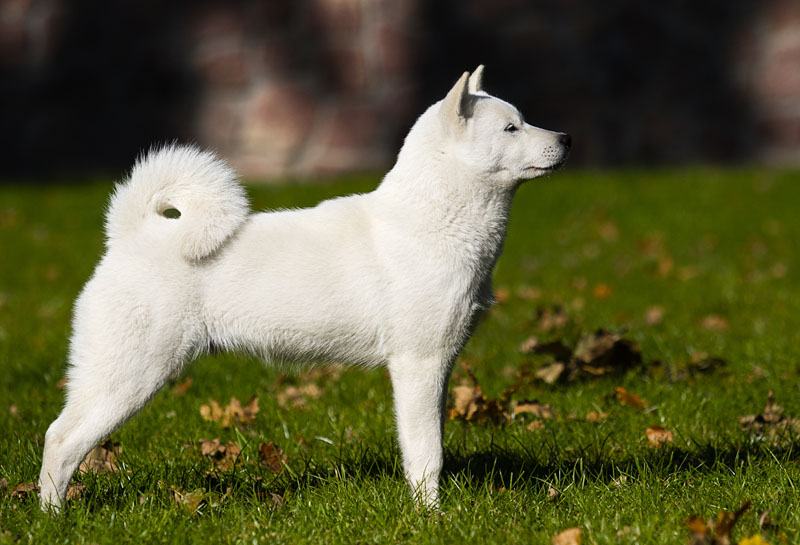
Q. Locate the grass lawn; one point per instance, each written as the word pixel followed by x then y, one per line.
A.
pixel 698 268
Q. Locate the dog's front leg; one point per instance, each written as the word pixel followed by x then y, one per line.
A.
pixel 420 391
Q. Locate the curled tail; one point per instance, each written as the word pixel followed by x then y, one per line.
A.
pixel 185 185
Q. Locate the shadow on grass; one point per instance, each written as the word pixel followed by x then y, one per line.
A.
pixel 491 468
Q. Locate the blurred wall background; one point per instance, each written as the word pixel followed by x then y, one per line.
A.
pixel 321 87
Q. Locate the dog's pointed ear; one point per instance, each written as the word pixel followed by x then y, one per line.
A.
pixel 476 80
pixel 457 105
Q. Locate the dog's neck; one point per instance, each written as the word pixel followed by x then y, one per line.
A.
pixel 439 200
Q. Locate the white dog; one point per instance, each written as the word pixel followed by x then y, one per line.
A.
pixel 394 277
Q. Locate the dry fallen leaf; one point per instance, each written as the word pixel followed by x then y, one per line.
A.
pixel 715 533
pixel 658 436
pixel 224 456
pixel 181 387
pixel 570 536
pixel 534 408
pixel 501 294
pixel 714 322
pixel 23 490
pixel 528 346
pixel 629 399
pixel 605 350
pixel 771 422
pixel 75 491
pixel 529 293
pixel 698 529
pixel 272 457
pixel 469 403
pixel 296 397
pixel 602 291
pixel 608 231
pixel 102 459
pixel 232 414
pixel 596 416
pixel 551 318
pixel 551 373
pixel 595 354
pixel 653 315
pixel 189 501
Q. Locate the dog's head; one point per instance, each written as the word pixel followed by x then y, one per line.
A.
pixel 492 137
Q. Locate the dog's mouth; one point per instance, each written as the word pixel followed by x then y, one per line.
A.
pixel 548 168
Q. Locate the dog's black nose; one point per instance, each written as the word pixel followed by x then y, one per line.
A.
pixel 565 140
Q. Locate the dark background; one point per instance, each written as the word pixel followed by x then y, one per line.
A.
pixel 287 88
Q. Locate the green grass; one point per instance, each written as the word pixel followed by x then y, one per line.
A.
pixel 695 242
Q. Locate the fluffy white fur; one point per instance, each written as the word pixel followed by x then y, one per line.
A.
pixel 394 277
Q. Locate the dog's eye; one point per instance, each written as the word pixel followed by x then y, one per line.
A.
pixel 511 128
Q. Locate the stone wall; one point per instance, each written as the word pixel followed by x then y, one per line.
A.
pixel 318 87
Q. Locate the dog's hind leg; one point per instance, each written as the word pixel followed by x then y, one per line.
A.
pixel 420 392
pixel 101 396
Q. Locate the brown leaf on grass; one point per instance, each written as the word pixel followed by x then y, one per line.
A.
pixel 714 322
pixel 223 456
pixel 23 490
pixel 534 408
pixel 61 384
pixel 501 295
pixel 102 459
pixel 549 319
pixel 608 231
pixel 598 353
pixel 557 349
pixel 653 315
pixel 596 416
pixel 602 291
pixel 725 523
pixel 529 293
pixel 272 457
pixel 75 491
pixel 551 373
pixel 698 530
pixel 665 265
pixel 181 387
pixel 570 536
pixel 699 363
pixel 631 400
pixel 658 436
pixel 469 403
pixel 233 414
pixel 528 346
pixel 606 350
pixel 779 270
pixel 715 532
pixel 771 422
pixel 190 501
pixel 297 397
